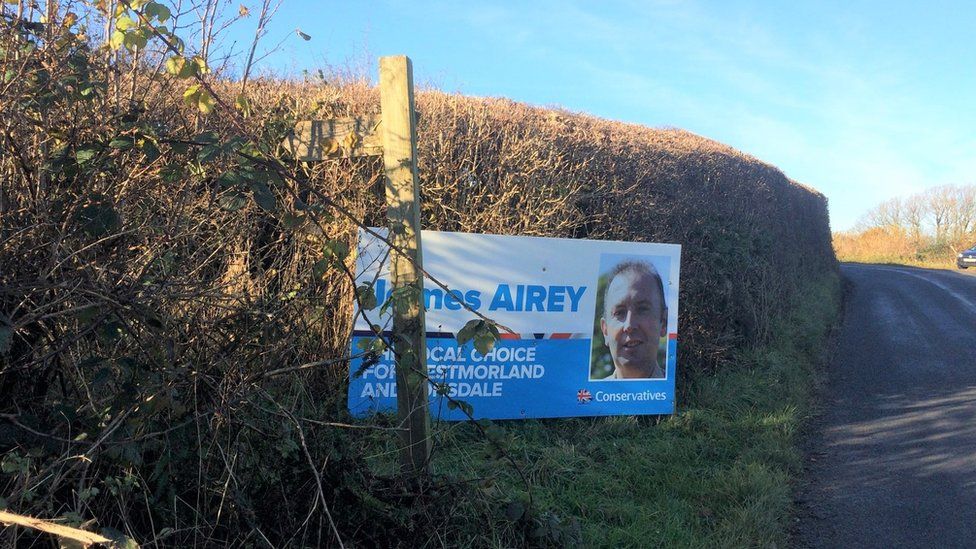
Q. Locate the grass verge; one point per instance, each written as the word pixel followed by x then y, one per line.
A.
pixel 716 474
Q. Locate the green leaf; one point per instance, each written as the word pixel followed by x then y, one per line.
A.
pixel 187 70
pixel 206 102
pixel 208 153
pixel 177 42
pixel 484 334
pixel 462 405
pixel 88 92
pixel 150 149
pixel 98 219
pixel 125 23
pixel 199 65
pixel 124 142
pixel 191 94
pixel 197 96
pixel 116 39
pixel 179 148
pixel 466 333
pixel 484 342
pixel 292 221
pixel 402 298
pixel 171 173
pixel 337 248
pixel 243 104
pixel 175 64
pixel 135 39
pixel 366 296
pixel 379 345
pixel 320 268
pixel 159 11
pixel 84 155
pixel 263 196
pixel 78 61
pixel 206 138
pixel 232 201
pixel 373 344
pixel 234 144
pixel 181 67
pixel 14 463
pixel 230 179
pixel 386 305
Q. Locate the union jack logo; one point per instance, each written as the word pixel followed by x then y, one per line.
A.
pixel 583 396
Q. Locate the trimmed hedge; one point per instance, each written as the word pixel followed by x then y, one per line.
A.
pixel 157 282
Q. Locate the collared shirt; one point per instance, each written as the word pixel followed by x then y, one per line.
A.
pixel 656 373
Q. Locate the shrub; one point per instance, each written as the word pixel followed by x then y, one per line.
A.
pixel 175 296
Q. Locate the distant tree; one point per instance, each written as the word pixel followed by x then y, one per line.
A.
pixel 941 202
pixel 888 214
pixel 914 216
pixel 963 215
pixel 924 226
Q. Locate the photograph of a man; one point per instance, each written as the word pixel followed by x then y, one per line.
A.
pixel 633 323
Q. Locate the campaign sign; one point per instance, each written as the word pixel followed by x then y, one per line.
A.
pixel 594 326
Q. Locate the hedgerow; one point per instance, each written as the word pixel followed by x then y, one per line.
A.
pixel 175 290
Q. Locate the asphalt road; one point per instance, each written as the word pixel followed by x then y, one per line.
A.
pixel 892 459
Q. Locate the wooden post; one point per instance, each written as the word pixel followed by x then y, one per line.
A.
pixel 393 135
pixel 403 212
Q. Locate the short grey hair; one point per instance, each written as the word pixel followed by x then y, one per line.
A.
pixel 639 268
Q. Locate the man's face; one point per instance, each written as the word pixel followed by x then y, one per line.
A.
pixel 633 320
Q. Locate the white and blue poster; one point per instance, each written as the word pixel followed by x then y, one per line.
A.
pixel 593 326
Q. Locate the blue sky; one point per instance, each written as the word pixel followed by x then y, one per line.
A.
pixel 861 100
